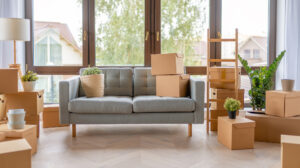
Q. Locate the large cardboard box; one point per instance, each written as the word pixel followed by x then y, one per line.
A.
pixel 270 128
pixel 290 151
pixel 283 104
pixel 224 73
pixel 237 133
pixel 9 82
pixel 28 133
pixel 172 85
pixel 167 64
pixel 15 154
pixel 222 94
pixel 2 107
pixel 51 117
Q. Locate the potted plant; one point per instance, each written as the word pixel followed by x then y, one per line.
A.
pixel 29 81
pixel 92 81
pixel 261 81
pixel 232 105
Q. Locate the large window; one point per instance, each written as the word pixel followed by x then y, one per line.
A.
pixel 120 27
pixel 183 29
pixel 71 34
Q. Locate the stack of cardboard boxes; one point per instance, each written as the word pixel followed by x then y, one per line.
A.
pixel 282 116
pixel 221 90
pixel 170 78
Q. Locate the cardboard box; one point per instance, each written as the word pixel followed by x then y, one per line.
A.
pixel 214 115
pixel 2 107
pixel 15 154
pixel 172 85
pixel 237 133
pixel 2 136
pixel 290 151
pixel 167 64
pixel 222 94
pixel 28 133
pixel 214 125
pixel 283 104
pixel 224 73
pixel 270 128
pixel 51 117
pixel 10 84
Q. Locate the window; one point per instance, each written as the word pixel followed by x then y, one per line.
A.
pixel 251 17
pixel 120 28
pixel 57 33
pixel 256 54
pixel 184 27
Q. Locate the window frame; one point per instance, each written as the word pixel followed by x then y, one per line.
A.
pixel 152 25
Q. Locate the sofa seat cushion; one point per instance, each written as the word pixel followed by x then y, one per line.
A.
pixel 143 104
pixel 103 105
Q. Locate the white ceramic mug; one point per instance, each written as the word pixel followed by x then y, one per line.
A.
pixel 16 118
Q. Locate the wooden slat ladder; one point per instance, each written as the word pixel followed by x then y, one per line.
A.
pixel 209 61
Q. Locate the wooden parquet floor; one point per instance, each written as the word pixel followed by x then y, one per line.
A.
pixel 145 146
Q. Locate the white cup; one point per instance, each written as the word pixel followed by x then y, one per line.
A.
pixel 16 118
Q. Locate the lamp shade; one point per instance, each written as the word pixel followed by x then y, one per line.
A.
pixel 14 29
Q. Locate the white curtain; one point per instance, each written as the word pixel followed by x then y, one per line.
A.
pixel 11 9
pixel 288 38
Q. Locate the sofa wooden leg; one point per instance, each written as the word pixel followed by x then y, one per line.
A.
pixel 190 130
pixel 74 130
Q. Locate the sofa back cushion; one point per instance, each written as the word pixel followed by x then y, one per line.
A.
pixel 118 82
pixel 144 82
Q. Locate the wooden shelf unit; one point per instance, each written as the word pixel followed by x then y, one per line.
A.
pixel 209 61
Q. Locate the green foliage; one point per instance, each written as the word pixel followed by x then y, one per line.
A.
pixel 91 71
pixel 29 77
pixel 261 81
pixel 232 104
pixel 120 30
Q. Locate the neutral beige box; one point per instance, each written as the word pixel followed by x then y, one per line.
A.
pixel 2 107
pixel 290 151
pixel 15 154
pixel 167 64
pixel 236 133
pixel 222 94
pixel 28 133
pixel 270 128
pixel 10 84
pixel 172 85
pixel 224 73
pixel 51 117
pixel 283 104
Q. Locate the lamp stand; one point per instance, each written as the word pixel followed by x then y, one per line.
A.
pixel 15 65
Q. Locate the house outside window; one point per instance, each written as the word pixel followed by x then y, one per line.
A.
pixel 247 54
pixel 256 54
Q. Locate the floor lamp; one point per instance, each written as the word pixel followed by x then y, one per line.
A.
pixel 15 29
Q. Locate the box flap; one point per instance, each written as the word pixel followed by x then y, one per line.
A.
pixel 291 139
pixel 185 76
pixel 243 123
pixel 14 146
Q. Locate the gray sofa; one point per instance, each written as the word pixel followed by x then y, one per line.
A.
pixel 129 99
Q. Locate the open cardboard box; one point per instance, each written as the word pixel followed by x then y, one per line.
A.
pixel 167 64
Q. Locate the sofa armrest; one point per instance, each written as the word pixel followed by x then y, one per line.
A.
pixel 197 94
pixel 68 90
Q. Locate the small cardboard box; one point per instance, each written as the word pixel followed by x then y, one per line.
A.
pixel 172 85
pixel 2 107
pixel 290 151
pixel 283 104
pixel 236 134
pixel 222 94
pixel 215 114
pixel 270 128
pixel 10 84
pixel 15 154
pixel 51 117
pixel 224 73
pixel 167 64
pixel 28 133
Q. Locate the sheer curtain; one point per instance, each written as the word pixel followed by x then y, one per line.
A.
pixel 288 38
pixel 12 9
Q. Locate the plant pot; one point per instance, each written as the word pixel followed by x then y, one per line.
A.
pixel 232 114
pixel 287 84
pixel 29 86
pixel 93 85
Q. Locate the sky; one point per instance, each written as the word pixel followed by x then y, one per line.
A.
pixel 250 16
